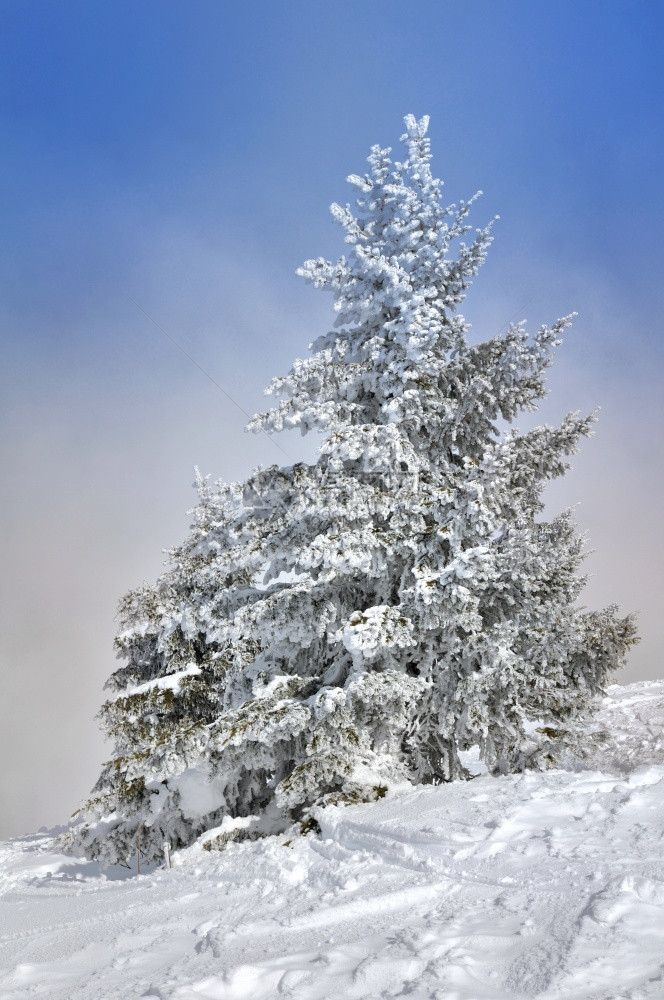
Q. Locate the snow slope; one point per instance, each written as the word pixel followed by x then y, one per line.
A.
pixel 537 885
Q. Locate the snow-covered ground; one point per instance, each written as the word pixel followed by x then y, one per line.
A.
pixel 537 885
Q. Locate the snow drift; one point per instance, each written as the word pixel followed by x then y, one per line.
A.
pixel 539 885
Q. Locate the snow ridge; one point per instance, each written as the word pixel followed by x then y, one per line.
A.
pixel 538 885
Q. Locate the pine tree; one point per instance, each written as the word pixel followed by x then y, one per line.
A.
pixel 328 628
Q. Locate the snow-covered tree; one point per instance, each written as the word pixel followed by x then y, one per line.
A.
pixel 328 628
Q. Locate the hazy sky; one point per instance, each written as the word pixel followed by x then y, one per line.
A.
pixel 184 155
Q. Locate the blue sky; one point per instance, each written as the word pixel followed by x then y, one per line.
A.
pixel 184 155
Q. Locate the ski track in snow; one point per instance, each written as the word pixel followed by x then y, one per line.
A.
pixel 547 886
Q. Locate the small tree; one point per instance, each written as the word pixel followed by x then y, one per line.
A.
pixel 327 628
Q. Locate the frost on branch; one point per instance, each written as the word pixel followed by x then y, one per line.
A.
pixel 328 628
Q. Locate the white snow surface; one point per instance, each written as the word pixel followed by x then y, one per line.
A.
pixel 538 885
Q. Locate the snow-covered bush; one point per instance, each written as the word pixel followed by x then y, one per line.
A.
pixel 328 628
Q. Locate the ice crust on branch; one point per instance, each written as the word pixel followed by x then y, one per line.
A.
pixel 328 628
